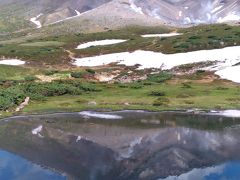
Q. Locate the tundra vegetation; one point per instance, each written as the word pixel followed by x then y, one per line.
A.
pixel 54 84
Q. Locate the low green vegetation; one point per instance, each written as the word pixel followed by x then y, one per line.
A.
pixel 54 50
pixel 43 44
pixel 160 91
pixel 15 72
pixel 53 84
pixel 17 92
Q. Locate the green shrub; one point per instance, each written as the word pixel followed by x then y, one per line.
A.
pixel 136 86
pixel 161 101
pixel 77 74
pixel 122 85
pixel 160 77
pixel 10 97
pixel 5 103
pixel 157 93
pixel 186 85
pixel 194 37
pixel 50 72
pixel 50 89
pixel 88 87
pixel 200 71
pixel 91 71
pixel 30 78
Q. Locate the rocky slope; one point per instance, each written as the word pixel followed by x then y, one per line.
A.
pixel 99 14
pixel 190 11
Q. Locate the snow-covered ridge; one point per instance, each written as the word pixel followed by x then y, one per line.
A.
pixel 12 62
pixel 36 22
pixel 227 57
pixel 100 43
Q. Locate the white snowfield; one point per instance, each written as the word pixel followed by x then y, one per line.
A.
pixel 36 22
pixel 231 73
pixel 100 43
pixel 161 35
pixel 12 62
pixel 226 58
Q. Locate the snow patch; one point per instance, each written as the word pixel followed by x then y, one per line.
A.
pixel 12 62
pixel 78 13
pixel 100 115
pixel 149 59
pixel 161 35
pixel 230 17
pixel 230 73
pixel 135 8
pixel 226 58
pixel 180 13
pixel 216 9
pixel 100 43
pixel 36 22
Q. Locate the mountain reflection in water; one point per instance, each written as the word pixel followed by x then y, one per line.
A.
pixel 14 167
pixel 135 145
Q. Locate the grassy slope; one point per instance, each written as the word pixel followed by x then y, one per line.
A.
pixel 204 95
pixel 15 73
pixel 51 50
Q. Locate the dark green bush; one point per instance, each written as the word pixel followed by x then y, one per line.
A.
pixel 50 89
pixel 157 93
pixel 161 101
pixel 50 72
pixel 136 86
pixel 77 74
pixel 88 87
pixel 91 71
pixel 160 77
pixel 10 97
pixel 186 85
pixel 30 78
pixel 195 37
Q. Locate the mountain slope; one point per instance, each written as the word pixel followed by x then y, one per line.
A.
pixel 120 15
pixel 17 15
pixel 190 11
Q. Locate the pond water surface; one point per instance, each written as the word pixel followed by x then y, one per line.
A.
pixel 120 145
